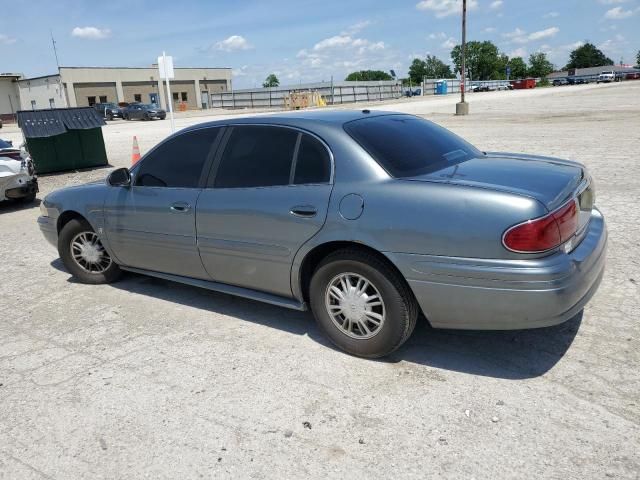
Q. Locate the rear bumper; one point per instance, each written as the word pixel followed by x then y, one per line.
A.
pixel 480 294
pixel 28 188
pixel 49 229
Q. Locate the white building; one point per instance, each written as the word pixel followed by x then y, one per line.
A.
pixel 9 95
pixel 84 86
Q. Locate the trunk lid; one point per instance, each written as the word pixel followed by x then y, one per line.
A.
pixel 549 180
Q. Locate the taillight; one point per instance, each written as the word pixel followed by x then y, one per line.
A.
pixel 545 233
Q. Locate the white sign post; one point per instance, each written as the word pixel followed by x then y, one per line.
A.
pixel 165 67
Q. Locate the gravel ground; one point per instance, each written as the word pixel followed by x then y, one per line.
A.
pixel 151 379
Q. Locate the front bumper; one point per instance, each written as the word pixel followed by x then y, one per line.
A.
pixel 480 294
pixel 48 227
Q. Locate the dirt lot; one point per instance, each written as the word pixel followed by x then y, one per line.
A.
pixel 150 379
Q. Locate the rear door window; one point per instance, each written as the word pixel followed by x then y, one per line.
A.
pixel 178 162
pixel 313 163
pixel 257 156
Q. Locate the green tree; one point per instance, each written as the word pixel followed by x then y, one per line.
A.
pixel 638 58
pixel 271 81
pixel 436 68
pixel 417 70
pixel 518 67
pixel 368 75
pixel 482 59
pixel 588 55
pixel 540 66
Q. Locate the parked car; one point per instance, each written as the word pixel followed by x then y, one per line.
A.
pixel 18 180
pixel 632 76
pixel 108 110
pixel 416 92
pixel 144 111
pixel 606 77
pixel 558 82
pixel 368 218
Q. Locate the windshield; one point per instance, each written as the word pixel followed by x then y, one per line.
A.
pixel 4 144
pixel 407 146
pixel 148 105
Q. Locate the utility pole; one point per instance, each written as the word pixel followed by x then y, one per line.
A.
pixel 462 108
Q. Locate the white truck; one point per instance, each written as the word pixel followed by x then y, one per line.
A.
pixel 17 174
pixel 607 76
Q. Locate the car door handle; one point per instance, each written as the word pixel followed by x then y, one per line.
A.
pixel 180 207
pixel 305 211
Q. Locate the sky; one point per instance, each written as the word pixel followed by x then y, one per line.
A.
pixel 301 41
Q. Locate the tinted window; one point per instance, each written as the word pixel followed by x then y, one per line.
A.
pixel 257 156
pixel 406 146
pixel 313 164
pixel 179 161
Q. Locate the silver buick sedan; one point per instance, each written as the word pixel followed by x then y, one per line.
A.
pixel 370 219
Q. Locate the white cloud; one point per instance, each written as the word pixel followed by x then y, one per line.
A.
pixel 449 43
pixel 91 33
pixel 618 13
pixel 549 32
pixel 6 39
pixel 489 30
pixel 551 15
pixel 612 2
pixel 518 52
pixel 332 42
pixel 436 36
pixel 520 36
pixel 233 43
pixel 518 32
pixel 496 4
pixel 356 27
pixel 444 8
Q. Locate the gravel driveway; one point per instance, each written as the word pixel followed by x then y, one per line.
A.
pixel 150 379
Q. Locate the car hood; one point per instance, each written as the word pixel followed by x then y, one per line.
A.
pixel 549 180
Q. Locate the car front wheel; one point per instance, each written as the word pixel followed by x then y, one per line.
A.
pixel 363 305
pixel 83 254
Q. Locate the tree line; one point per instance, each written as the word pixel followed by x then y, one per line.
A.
pixel 484 61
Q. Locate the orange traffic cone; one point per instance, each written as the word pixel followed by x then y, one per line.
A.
pixel 135 154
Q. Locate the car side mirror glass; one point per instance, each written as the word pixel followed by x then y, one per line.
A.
pixel 120 177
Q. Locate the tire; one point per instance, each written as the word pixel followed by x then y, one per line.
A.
pixel 146 117
pixel 110 117
pixel 398 309
pixel 102 272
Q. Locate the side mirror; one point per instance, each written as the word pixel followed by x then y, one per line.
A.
pixel 120 177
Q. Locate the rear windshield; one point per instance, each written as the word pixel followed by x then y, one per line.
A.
pixel 4 144
pixel 406 146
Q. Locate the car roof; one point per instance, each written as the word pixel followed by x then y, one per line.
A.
pixel 335 118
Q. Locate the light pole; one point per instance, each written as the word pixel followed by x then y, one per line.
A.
pixel 462 108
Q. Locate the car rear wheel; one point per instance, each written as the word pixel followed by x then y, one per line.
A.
pixel 363 305
pixel 83 254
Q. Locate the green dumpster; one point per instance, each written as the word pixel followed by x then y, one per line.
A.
pixel 62 139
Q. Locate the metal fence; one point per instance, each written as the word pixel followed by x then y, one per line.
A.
pixel 332 93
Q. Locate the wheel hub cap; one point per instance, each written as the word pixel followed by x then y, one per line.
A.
pixel 89 254
pixel 355 305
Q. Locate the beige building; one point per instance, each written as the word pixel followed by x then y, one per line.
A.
pixel 84 86
pixel 9 95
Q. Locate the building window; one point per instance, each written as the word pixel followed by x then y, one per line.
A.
pixel 91 101
pixel 103 99
pixel 184 96
pixel 137 97
pixel 33 104
pixel 52 103
pixel 175 96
